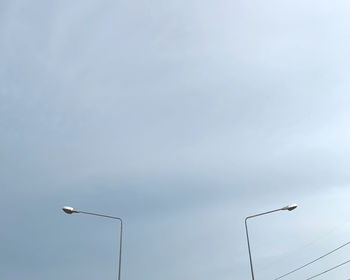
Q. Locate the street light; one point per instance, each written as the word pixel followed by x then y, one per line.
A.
pixel 289 208
pixel 71 210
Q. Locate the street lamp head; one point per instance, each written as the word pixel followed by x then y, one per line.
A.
pixel 69 210
pixel 290 207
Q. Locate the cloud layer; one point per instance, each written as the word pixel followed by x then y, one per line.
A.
pixel 183 118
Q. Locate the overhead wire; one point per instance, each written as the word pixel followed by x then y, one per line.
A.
pixel 313 261
pixel 311 243
pixel 328 270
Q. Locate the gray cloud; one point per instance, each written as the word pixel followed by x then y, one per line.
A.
pixel 181 117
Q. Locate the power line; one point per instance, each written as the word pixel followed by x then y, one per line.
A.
pixel 315 260
pixel 328 270
pixel 320 237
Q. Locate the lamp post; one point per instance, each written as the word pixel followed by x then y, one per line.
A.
pixel 71 210
pixel 289 208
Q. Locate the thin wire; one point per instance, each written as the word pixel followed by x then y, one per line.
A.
pixel 328 270
pixel 315 260
pixel 323 236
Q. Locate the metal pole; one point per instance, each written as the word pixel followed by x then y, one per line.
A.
pixel 121 234
pixel 246 230
pixel 250 255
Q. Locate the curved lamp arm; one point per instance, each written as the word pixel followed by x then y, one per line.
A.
pixel 289 208
pixel 71 210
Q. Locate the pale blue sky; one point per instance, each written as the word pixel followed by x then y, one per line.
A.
pixel 181 117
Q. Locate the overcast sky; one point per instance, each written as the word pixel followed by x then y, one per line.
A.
pixel 181 117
